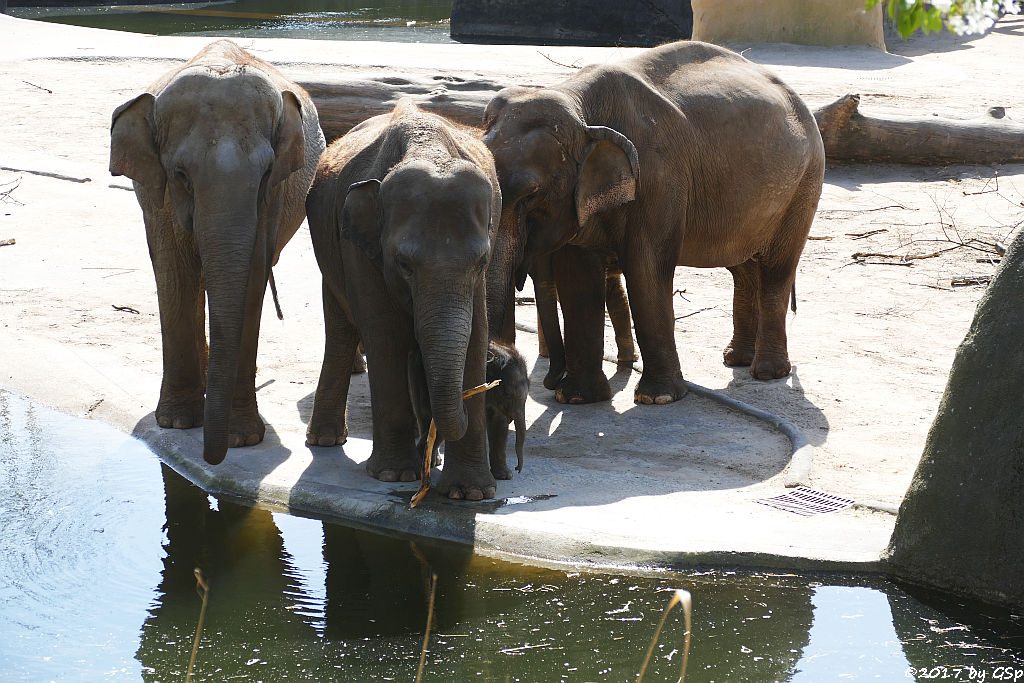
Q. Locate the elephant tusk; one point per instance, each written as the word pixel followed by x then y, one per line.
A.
pixel 432 437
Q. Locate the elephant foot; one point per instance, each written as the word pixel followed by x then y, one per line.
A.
pixel 556 371
pixel 582 389
pixel 186 414
pixel 626 351
pixel 246 428
pixel 501 472
pixel 326 432
pixel 652 390
pixel 737 355
pixel 463 483
pixel 770 366
pixel 391 469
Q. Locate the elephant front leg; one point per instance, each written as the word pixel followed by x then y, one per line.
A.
pixel 182 307
pixel 580 279
pixel 245 426
pixel 649 281
pixel 394 456
pixel 328 425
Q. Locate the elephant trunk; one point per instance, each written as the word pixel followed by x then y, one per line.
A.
pixel 506 257
pixel 231 266
pixel 443 332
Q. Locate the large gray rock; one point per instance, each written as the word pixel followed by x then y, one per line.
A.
pixel 961 526
pixel 571 22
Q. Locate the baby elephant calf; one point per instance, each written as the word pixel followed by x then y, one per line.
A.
pixel 505 403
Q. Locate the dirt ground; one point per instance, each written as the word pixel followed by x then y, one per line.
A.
pixel 871 344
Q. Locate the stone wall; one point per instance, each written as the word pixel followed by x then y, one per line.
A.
pixel 571 22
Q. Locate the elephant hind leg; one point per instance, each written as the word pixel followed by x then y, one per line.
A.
pixel 777 272
pixel 746 279
pixel 618 310
pixel 327 425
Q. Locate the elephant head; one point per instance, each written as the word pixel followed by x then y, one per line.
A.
pixel 208 155
pixel 428 232
pixel 557 173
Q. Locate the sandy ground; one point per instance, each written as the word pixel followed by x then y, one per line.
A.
pixel 871 344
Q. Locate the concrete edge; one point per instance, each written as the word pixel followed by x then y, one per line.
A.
pixel 470 524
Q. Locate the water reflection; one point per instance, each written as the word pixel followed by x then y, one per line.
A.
pixel 98 543
pixel 390 20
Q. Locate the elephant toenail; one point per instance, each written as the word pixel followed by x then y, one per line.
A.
pixel 474 494
pixel 662 399
pixel 455 494
pixel 387 475
pixel 180 423
pixel 408 475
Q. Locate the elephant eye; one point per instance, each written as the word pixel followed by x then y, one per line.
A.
pixel 404 266
pixel 183 179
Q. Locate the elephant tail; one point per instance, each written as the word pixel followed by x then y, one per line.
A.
pixel 277 304
pixel 792 295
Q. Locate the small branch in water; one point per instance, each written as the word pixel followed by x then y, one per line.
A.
pixel 203 590
pixel 430 619
pixel 679 597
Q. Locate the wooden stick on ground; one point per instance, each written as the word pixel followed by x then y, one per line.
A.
pixel 432 437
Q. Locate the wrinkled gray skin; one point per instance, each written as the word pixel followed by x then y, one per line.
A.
pixel 506 403
pixel 687 154
pixel 221 152
pixel 400 212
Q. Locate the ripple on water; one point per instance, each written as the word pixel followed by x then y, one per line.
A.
pixel 81 512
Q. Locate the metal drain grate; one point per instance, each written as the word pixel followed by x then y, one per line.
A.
pixel 807 502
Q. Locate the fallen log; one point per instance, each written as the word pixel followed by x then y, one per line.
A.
pixel 344 102
pixel 851 136
pixel 848 135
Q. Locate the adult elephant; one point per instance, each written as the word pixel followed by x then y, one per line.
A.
pixel 221 151
pixel 687 154
pixel 400 212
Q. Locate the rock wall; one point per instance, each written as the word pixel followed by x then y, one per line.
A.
pixel 571 22
pixel 961 526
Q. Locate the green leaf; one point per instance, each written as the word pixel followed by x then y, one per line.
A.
pixel 871 4
pixel 933 20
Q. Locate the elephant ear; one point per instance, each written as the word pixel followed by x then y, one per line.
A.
pixel 133 150
pixel 361 218
pixel 289 140
pixel 608 174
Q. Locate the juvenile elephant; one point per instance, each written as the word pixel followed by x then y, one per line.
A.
pixel 221 151
pixel 400 212
pixel 506 403
pixel 687 154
